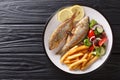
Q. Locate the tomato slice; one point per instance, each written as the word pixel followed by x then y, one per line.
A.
pixel 102 41
pixel 91 48
pixel 91 33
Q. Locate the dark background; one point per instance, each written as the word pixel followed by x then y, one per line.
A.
pixel 22 56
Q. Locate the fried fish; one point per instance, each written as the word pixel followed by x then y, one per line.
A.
pixel 78 33
pixel 60 33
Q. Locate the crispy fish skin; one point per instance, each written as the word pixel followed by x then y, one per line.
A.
pixel 78 34
pixel 61 33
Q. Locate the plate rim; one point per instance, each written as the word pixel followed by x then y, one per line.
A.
pixel 43 36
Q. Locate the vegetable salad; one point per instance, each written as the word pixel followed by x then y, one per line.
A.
pixel 96 39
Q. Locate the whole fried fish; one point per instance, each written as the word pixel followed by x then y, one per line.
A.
pixel 61 33
pixel 78 33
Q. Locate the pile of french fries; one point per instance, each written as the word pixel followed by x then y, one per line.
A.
pixel 78 58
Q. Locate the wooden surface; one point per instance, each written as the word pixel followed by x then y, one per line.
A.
pixel 22 56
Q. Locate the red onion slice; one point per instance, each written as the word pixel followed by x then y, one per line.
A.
pixel 98 38
pixel 94 27
pixel 92 38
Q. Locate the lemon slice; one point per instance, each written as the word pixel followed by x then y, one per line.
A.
pixel 79 12
pixel 64 14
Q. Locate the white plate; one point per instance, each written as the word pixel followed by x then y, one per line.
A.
pixel 93 14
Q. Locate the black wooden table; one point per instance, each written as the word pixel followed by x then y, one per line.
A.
pixel 22 56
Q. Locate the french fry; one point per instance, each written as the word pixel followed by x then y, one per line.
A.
pixel 89 56
pixel 75 56
pixel 67 54
pixel 86 56
pixel 90 63
pixel 70 61
pixel 67 62
pixel 72 51
pixel 84 51
pixel 79 48
pixel 68 65
pixel 84 63
pixel 78 58
pixel 77 67
pixel 71 67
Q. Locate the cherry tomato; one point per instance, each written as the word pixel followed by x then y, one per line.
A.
pixel 91 33
pixel 102 41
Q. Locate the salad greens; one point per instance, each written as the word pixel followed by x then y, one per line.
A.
pixel 92 23
pixel 87 42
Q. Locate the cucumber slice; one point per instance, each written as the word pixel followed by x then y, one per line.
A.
pixel 102 52
pixel 99 51
pixel 100 29
pixel 94 53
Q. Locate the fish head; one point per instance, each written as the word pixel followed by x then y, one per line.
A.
pixel 84 22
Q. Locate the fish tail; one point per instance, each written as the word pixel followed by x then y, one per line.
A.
pixel 61 52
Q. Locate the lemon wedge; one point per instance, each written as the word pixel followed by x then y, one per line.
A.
pixel 69 11
pixel 64 14
pixel 79 12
